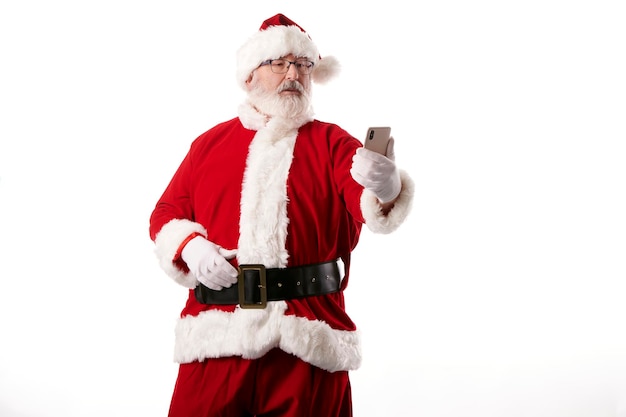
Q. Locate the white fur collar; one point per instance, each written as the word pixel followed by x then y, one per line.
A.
pixel 252 119
pixel 263 222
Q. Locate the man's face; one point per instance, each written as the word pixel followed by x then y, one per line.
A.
pixel 286 94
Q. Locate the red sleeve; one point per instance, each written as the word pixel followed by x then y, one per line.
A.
pixel 175 202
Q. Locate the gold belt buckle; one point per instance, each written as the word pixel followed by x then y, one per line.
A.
pixel 262 286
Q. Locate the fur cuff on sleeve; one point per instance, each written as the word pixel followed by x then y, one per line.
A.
pixel 167 242
pixel 375 220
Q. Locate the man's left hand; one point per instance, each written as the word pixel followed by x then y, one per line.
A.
pixel 377 173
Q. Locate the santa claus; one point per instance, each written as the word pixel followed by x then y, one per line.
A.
pixel 258 222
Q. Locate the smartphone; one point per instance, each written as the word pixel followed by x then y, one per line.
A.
pixel 377 139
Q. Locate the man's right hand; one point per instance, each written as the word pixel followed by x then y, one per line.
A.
pixel 208 263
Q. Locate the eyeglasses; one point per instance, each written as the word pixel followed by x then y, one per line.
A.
pixel 281 66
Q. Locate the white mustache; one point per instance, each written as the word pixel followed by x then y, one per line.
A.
pixel 291 85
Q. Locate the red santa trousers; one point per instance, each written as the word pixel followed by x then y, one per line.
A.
pixel 277 385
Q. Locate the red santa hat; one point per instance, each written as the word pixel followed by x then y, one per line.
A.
pixel 279 36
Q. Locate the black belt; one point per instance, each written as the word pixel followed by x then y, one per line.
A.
pixel 257 285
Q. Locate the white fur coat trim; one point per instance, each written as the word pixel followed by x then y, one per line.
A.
pixel 375 220
pixel 252 333
pixel 263 222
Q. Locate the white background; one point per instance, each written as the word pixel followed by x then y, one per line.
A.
pixel 504 293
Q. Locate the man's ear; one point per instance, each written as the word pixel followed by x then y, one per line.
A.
pixel 248 81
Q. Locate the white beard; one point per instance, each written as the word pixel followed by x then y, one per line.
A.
pixel 272 104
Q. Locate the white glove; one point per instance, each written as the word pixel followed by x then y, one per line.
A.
pixel 377 173
pixel 208 263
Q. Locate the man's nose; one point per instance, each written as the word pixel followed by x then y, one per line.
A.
pixel 292 72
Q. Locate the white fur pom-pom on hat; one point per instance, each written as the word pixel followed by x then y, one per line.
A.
pixel 279 36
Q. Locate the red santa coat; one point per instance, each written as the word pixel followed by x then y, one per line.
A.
pixel 281 193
